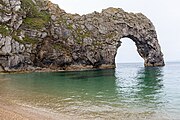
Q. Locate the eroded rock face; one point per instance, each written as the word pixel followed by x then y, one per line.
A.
pixel 36 34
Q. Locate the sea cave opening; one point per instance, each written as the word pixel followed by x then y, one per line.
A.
pixel 127 52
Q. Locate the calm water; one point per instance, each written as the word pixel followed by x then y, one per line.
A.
pixel 129 91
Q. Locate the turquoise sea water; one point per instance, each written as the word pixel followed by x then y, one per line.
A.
pixel 129 91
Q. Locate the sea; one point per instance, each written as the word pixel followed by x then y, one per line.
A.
pixel 128 92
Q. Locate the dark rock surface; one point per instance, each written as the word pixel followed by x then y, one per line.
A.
pixel 37 34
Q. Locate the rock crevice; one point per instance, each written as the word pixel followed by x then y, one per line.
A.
pixel 37 34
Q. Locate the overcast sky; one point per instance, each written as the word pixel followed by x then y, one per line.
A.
pixel 165 15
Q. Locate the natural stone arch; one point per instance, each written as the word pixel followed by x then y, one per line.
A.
pixel 138 28
pixel 38 34
pixel 148 51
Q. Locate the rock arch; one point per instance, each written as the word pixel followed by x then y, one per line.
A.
pixel 38 34
pixel 115 24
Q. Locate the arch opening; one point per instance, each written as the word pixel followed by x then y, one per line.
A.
pixel 127 52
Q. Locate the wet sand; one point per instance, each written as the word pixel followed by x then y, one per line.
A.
pixel 10 111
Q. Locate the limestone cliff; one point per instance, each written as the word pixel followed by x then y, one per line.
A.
pixel 36 34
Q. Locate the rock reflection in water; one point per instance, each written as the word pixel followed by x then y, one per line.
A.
pixel 150 86
pixel 143 89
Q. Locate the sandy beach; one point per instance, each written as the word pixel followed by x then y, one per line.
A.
pixel 10 111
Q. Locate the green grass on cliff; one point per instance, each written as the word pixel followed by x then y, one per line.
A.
pixel 26 40
pixel 4 30
pixel 29 7
pixel 37 22
pixel 30 40
pixel 35 19
pixel 81 35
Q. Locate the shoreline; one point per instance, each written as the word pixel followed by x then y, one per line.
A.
pixel 69 69
pixel 13 111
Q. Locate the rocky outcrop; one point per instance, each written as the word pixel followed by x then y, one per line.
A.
pixel 37 34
